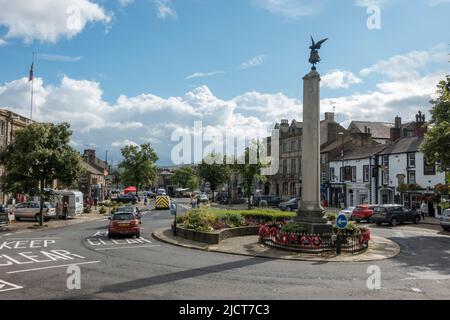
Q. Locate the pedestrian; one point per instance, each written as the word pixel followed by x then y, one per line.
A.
pixel 424 210
pixel 95 202
pixel 338 242
pixel 65 210
pixel 58 210
pixel 145 200
pixel 193 202
pixel 198 202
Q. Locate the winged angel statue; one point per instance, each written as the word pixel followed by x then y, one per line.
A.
pixel 314 58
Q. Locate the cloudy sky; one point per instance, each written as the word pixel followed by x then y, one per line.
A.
pixel 133 71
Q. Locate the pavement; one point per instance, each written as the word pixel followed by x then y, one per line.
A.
pixel 80 262
pixel 379 249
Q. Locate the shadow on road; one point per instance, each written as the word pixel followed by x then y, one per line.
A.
pixel 171 277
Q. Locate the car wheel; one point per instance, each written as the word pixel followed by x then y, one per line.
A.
pixel 394 222
pixel 357 220
pixel 36 217
pixel 289 209
pixel 138 235
pixel 17 219
pixel 416 220
pixel 378 223
pixel 446 228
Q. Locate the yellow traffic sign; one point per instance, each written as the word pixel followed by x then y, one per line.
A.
pixel 162 203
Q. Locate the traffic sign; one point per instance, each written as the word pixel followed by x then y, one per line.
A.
pixel 341 221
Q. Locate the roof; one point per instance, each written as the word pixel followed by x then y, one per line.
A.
pixel 379 130
pixel 404 145
pixel 361 152
pixel 91 169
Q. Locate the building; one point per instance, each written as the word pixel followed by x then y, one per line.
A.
pixel 95 182
pixel 287 182
pixel 9 123
pixel 380 131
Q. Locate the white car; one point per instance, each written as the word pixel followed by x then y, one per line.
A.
pixel 347 212
pixel 31 210
pixel 203 198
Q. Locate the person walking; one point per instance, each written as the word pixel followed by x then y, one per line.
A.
pixel 198 202
pixel 424 210
pixel 65 210
pixel 145 200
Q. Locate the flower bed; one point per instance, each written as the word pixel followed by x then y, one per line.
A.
pixel 288 238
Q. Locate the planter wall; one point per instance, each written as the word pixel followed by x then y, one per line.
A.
pixel 217 237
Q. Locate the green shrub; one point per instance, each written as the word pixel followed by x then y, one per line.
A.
pixel 87 210
pixel 293 228
pixel 331 216
pixel 102 210
pixel 114 209
pixel 351 229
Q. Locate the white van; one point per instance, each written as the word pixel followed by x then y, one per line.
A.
pixel 73 198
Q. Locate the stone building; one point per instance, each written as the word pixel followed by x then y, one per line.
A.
pixel 287 182
pixel 9 123
pixel 94 183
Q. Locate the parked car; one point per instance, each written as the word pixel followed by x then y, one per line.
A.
pixel 4 219
pixel 272 201
pixel 445 220
pixel 290 205
pixel 124 223
pixel 31 210
pixel 131 209
pixel 127 198
pixel 394 215
pixel 221 197
pixel 203 198
pixel 151 194
pixel 161 192
pixel 348 212
pixel 363 212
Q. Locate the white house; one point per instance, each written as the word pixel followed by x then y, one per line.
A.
pixel 355 173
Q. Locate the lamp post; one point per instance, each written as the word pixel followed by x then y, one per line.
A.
pixel 344 191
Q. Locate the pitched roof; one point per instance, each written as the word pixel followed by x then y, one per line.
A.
pixel 362 152
pixel 379 130
pixel 91 169
pixel 404 145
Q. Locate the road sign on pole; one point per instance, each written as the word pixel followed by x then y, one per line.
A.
pixel 341 221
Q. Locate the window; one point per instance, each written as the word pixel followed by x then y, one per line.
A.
pixel 411 160
pixel 285 147
pixel 2 127
pixel 429 169
pixel 285 167
pixel 386 161
pixel 293 145
pixel 292 189
pixel 353 174
pixel 366 173
pixel 293 166
pixel 332 177
pixel 285 187
pixel 412 177
pixel 342 174
pixel 385 177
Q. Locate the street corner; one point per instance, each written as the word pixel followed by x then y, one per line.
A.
pixel 379 249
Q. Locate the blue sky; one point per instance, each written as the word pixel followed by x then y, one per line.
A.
pixel 241 61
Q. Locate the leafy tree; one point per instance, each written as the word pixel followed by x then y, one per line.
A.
pixel 437 141
pixel 116 176
pixel 40 154
pixel 193 183
pixel 138 165
pixel 250 171
pixel 213 172
pixel 182 176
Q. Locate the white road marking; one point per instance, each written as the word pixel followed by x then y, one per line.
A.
pixel 9 286
pixel 53 267
pixel 416 290
pixel 129 247
pixel 44 238
pixel 429 275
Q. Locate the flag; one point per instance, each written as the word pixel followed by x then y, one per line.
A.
pixel 31 78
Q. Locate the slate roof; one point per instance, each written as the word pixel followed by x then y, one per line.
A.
pixel 91 169
pixel 361 152
pixel 379 130
pixel 404 145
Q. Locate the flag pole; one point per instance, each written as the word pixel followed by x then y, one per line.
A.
pixel 32 87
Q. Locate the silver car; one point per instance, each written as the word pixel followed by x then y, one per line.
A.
pixel 30 210
pixel 445 220
pixel 348 212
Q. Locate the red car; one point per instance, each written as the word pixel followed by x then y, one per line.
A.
pixel 124 224
pixel 363 212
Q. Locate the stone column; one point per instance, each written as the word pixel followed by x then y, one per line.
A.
pixel 311 213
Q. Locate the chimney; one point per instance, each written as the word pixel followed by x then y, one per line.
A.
pixel 396 132
pixel 420 127
pixel 284 122
pixel 329 116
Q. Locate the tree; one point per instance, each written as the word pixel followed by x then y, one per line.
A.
pixel 250 171
pixel 193 183
pixel 182 176
pixel 213 172
pixel 40 154
pixel 437 141
pixel 116 176
pixel 138 165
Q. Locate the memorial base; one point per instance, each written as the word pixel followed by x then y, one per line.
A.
pixel 314 221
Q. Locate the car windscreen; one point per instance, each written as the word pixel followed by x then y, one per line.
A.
pixel 126 209
pixel 379 210
pixel 123 216
pixel 446 213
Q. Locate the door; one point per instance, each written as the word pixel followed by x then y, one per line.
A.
pixel 20 210
pixel 32 210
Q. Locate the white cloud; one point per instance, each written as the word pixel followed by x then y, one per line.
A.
pixel 290 8
pixel 338 79
pixel 123 143
pixel 367 3
pixel 437 2
pixel 204 74
pixel 253 62
pixel 408 66
pixel 58 58
pixel 48 20
pixel 3 43
pixel 125 3
pixel 165 9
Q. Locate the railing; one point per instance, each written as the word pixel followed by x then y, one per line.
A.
pixel 273 236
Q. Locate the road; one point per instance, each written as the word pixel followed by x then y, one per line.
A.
pixel 35 266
